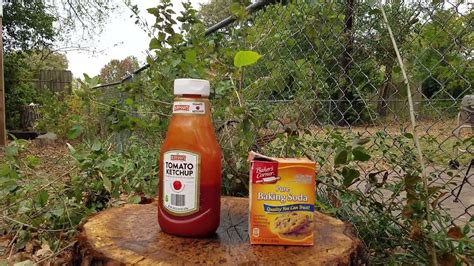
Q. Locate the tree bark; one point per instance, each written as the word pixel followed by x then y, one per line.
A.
pixel 3 123
pixel 345 63
pixel 29 114
pixel 385 91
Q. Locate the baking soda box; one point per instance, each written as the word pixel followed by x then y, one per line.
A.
pixel 282 197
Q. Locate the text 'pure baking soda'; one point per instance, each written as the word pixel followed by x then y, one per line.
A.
pixel 282 197
pixel 190 165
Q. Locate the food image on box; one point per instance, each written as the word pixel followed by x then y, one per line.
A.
pixel 282 197
pixel 293 225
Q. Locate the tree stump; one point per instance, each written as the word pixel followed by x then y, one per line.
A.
pixel 131 235
pixel 29 114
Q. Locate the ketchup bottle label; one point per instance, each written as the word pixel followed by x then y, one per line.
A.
pixel 183 107
pixel 181 182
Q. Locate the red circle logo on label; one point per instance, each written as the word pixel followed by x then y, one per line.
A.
pixel 177 185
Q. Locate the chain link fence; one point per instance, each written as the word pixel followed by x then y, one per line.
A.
pixel 328 83
pixel 331 66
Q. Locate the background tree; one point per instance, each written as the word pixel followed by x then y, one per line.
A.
pixel 374 44
pixel 27 25
pixel 116 69
pixel 442 66
pixel 21 69
pixel 33 31
pixel 46 59
pixel 81 19
pixel 216 10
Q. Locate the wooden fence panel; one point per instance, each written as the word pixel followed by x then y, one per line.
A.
pixel 56 81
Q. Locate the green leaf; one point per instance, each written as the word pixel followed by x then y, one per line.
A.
pixel 411 181
pixel 42 198
pixel 408 135
pixel 96 146
pixel 238 10
pixel 300 62
pixel 70 148
pixel 107 183
pixel 161 37
pixel 32 161
pixel 341 157
pixel 58 212
pixel 374 11
pixel 190 56
pixel 361 141
pixel 4 170
pixel 175 62
pixel 154 44
pixel 135 199
pixel 466 229
pixel 396 69
pixel 23 209
pixel 235 8
pixel 87 78
pixel 246 125
pixel 107 163
pixel 360 154
pixel 11 151
pixel 129 101
pixel 24 263
pixel 246 58
pixel 74 132
pixel 14 174
pixel 153 11
pixel 349 176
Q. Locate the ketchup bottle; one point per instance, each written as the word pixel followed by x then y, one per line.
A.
pixel 190 165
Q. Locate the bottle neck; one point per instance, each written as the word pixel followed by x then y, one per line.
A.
pixel 194 96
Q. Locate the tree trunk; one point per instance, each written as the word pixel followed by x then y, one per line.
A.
pixel 29 114
pixel 385 91
pixel 345 63
pixel 130 235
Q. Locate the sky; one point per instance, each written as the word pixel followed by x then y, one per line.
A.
pixel 120 38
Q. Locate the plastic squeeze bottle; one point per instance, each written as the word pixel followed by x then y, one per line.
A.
pixel 190 165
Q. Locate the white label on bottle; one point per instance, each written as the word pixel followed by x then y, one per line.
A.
pixel 181 182
pixel 189 108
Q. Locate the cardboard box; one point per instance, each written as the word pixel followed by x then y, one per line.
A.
pixel 282 196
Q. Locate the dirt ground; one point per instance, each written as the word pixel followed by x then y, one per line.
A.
pixel 54 159
pixel 460 207
pixel 54 162
pixel 459 203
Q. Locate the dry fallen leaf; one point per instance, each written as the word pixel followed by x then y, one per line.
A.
pixel 44 251
pixel 447 259
pixel 455 232
pixel 29 247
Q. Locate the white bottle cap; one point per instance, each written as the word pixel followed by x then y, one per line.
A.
pixel 191 87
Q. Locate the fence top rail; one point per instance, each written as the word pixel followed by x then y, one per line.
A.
pixel 222 24
pixel 354 100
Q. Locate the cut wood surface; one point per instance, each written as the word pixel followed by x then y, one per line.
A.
pixel 131 235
